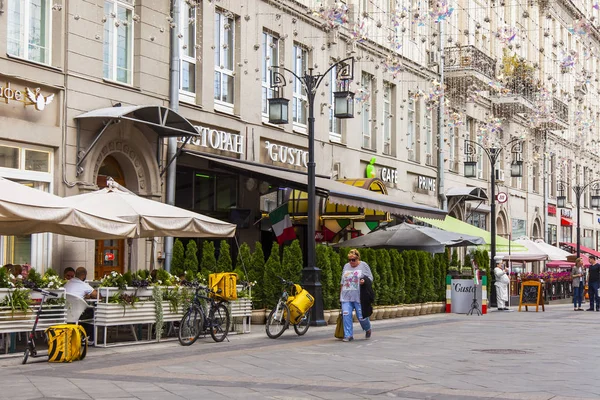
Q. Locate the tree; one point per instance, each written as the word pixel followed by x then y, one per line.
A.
pixel 297 261
pixel 397 263
pixel 243 264
pixel 191 257
pixel 272 284
pixel 323 261
pixel 209 262
pixel 256 274
pixel 224 263
pixel 178 258
pixel 336 277
pixel 385 278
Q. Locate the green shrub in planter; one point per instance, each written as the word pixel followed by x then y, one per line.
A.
pixel 224 263
pixel 399 276
pixel 243 264
pixel 208 265
pixel 256 273
pixel 178 258
pixel 191 257
pixel 324 264
pixel 272 284
pixel 336 277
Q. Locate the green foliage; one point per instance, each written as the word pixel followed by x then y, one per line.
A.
pixel 177 258
pixel 224 263
pixel 336 277
pixel 35 279
pixel 286 264
pixel 143 274
pixel 323 261
pixel 128 278
pixel 114 279
pixel 412 275
pixel 386 281
pixel 191 257
pixel 369 256
pixel 5 279
pixel 426 262
pixel 256 272
pixel 399 277
pixel 208 265
pixel 455 261
pixel 272 284
pixel 243 264
pixel 50 272
pixel 17 300
pixel 297 261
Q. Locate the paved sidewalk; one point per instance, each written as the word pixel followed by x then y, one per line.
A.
pixel 502 355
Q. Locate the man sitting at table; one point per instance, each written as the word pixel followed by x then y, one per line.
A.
pixel 77 286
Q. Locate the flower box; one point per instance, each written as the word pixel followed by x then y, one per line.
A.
pixel 21 321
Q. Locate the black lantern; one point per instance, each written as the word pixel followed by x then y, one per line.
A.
pixel 516 169
pixel 343 104
pixel 470 169
pixel 561 201
pixel 595 201
pixel 278 110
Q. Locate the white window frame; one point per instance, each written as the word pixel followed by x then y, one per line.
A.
pixel 220 20
pixel 452 148
pixel 114 6
pixel 366 83
pixel 187 50
pixel 387 118
pixel 24 36
pixel 300 99
pixel 270 57
pixel 429 158
pixel 335 124
pixel 411 122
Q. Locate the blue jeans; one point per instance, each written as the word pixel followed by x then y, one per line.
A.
pixel 593 292
pixel 577 295
pixel 347 307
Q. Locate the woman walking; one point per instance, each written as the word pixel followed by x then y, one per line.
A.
pixel 354 275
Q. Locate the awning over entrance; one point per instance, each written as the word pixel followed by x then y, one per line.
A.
pixel 162 120
pixel 467 193
pixel 335 192
pixel 573 248
pixel 454 225
pixel 564 221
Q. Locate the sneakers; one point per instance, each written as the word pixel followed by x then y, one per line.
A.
pixel 348 339
pixel 368 334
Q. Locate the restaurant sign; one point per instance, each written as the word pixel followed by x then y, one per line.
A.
pixel 27 96
pixel 287 155
pixel 217 140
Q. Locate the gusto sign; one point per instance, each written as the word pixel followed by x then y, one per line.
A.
pixel 287 155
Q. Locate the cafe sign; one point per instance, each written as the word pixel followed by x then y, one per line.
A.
pixel 287 155
pixel 27 96
pixel 389 175
pixel 217 140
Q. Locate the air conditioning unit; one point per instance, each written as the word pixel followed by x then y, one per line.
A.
pixel 387 148
pixel 500 176
pixel 433 58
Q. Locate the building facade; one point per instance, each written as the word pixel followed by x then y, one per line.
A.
pixel 92 76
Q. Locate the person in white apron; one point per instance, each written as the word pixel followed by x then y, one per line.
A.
pixel 502 282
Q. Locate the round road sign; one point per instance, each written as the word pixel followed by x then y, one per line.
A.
pixel 502 197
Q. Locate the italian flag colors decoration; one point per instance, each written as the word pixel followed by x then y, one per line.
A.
pixel 282 224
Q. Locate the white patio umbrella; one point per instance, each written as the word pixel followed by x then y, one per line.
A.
pixel 24 211
pixel 152 218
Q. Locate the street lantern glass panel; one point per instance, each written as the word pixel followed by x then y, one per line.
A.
pixel 595 201
pixel 470 169
pixel 343 106
pixel 561 201
pixel 278 110
pixel 516 169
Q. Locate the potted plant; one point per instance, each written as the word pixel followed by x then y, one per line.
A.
pixel 453 271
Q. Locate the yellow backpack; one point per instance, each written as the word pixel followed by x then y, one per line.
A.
pixel 66 343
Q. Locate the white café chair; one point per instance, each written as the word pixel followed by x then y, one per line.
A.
pixel 75 307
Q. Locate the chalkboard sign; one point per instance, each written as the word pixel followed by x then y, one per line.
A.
pixel 531 295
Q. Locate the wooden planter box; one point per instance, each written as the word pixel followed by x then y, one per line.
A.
pixel 19 321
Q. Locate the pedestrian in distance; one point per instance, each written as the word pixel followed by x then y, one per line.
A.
pixel 593 283
pixel 578 274
pixel 354 276
pixel 502 281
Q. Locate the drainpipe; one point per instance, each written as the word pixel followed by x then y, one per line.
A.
pixel 173 105
pixel 443 200
pixel 545 177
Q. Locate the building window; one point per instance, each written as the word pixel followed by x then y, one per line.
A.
pixel 300 99
pixel 430 158
pixel 29 27
pixel 224 59
pixel 477 219
pixel 9 157
pixel 566 234
pixel 452 159
pixel 335 124
pixel 187 22
pixel 552 234
pixel 365 110
pixel 519 228
pixel 387 117
pixel 25 159
pixel 588 238
pixel 118 41
pixel 270 57
pixel 411 129
pixel 551 176
pixel 206 192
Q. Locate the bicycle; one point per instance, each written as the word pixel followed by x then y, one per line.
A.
pixel 31 350
pixel 280 317
pixel 196 321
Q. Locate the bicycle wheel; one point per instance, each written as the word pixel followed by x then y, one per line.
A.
pixel 302 327
pixel 190 326
pixel 219 322
pixel 26 356
pixel 278 321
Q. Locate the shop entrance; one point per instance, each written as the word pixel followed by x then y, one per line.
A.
pixel 109 254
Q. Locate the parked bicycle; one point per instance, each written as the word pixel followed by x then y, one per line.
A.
pixel 290 309
pixel 31 350
pixel 215 318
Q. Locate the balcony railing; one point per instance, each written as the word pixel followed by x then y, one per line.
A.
pixel 561 110
pixel 465 58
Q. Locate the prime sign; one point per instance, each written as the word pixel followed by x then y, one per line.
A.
pixel 426 183
pixel 287 155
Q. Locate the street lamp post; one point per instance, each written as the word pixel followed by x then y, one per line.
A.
pixel 516 170
pixel 561 202
pixel 278 114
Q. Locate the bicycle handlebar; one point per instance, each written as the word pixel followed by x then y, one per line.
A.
pixel 285 281
pixel 47 293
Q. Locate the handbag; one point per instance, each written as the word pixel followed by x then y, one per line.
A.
pixel 339 327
